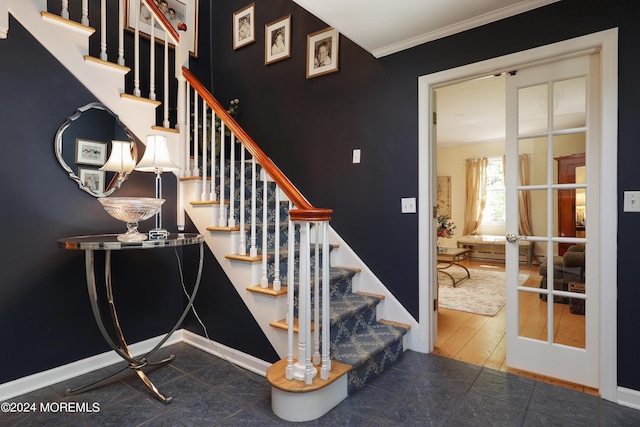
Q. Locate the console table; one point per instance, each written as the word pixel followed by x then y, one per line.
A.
pixel 107 243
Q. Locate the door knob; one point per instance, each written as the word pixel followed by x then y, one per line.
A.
pixel 511 238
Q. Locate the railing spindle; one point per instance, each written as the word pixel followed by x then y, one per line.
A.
pixel 264 282
pixel 103 25
pixel 205 167
pixel 289 372
pixel 316 300
pixel 232 182
pixel 165 123
pixel 121 32
pixel 277 283
pixel 242 249
pixel 64 12
pixel 222 220
pixel 326 321
pixel 253 249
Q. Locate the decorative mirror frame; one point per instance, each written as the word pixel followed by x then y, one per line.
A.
pixel 115 183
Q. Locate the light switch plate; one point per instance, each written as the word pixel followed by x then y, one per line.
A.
pixel 356 155
pixel 632 201
pixel 408 205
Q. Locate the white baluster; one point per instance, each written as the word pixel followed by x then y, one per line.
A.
pixel 326 333
pixel 213 195
pixel 65 9
pixel 136 54
pixel 152 60
pixel 264 282
pixel 165 123
pixel 242 249
pixel 187 127
pixel 232 182
pixel 316 300
pixel 222 220
pixel 103 25
pixel 196 142
pixel 205 167
pixel 277 283
pixel 253 250
pixel 85 13
pixel 121 32
pixel 289 372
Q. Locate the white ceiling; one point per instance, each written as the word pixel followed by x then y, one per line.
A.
pixel 383 27
pixel 472 111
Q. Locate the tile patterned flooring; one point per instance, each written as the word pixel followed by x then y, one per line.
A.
pixel 419 390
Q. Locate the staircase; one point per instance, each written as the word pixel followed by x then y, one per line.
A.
pixel 305 282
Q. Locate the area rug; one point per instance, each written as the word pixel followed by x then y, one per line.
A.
pixel 483 293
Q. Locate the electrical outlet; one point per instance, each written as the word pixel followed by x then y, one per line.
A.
pixel 632 201
pixel 356 155
pixel 408 205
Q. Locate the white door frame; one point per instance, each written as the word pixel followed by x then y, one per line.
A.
pixel 606 42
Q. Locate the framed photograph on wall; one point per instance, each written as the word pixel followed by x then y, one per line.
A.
pixel 176 12
pixel 322 52
pixel 244 26
pixel 90 152
pixel 277 36
pixel 93 179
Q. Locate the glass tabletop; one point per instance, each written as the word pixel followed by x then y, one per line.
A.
pixel 110 242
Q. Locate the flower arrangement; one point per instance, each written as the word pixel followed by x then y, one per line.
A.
pixel 233 110
pixel 446 227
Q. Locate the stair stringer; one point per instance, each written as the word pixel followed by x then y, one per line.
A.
pixel 367 281
pixel 241 274
pixel 69 44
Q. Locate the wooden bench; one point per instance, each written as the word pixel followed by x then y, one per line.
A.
pixel 493 248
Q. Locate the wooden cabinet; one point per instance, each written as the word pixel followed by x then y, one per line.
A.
pixel 567 226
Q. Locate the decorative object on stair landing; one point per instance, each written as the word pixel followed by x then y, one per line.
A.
pixel 277 35
pixel 244 26
pixel 322 52
pixel 156 159
pixel 185 12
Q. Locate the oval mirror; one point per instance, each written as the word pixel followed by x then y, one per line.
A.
pixel 84 144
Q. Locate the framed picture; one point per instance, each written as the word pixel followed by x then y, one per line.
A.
pixel 277 37
pixel 90 152
pixel 322 52
pixel 93 179
pixel 176 11
pixel 443 194
pixel 244 26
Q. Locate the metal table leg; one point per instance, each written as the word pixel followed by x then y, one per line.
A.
pixel 120 346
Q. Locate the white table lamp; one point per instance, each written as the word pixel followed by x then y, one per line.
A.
pixel 157 159
pixel 120 160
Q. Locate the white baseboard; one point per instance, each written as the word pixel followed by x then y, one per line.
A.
pixel 628 397
pixel 39 380
pixel 238 358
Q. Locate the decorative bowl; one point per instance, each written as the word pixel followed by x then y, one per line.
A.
pixel 131 210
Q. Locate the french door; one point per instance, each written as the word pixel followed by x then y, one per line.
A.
pixel 553 319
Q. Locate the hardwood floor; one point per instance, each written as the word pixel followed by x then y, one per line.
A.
pixel 481 340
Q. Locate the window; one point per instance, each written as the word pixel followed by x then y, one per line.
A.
pixel 494 210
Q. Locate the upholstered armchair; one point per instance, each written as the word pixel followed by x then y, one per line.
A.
pixel 566 268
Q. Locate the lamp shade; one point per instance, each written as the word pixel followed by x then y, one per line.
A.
pixel 156 156
pixel 120 159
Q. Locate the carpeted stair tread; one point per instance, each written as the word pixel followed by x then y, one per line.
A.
pixel 356 350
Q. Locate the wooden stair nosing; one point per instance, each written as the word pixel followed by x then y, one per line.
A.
pixel 139 99
pixel 205 202
pixel 268 291
pixel 57 19
pixel 392 323
pixel 222 228
pixel 93 60
pixel 276 375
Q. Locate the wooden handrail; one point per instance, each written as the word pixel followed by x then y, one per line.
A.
pixel 164 21
pixel 304 210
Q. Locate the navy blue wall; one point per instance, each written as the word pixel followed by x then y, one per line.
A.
pixel 45 316
pixel 310 127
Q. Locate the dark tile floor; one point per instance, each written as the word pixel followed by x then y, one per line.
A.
pixel 419 390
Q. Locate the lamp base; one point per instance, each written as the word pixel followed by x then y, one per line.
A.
pixel 158 234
